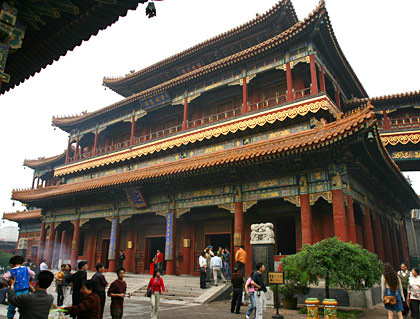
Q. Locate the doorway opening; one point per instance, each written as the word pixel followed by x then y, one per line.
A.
pixel 286 235
pixel 153 244
pixel 104 252
pixel 217 240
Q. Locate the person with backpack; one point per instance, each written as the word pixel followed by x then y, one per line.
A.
pixel 154 289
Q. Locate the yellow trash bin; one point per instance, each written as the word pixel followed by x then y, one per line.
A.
pixel 330 308
pixel 312 308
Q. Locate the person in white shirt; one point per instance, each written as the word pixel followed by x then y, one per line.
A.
pixel 216 265
pixel 43 265
pixel 404 274
pixel 414 293
pixel 202 262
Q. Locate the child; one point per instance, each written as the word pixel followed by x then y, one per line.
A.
pixel 23 276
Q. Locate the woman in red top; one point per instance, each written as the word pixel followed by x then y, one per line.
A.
pixel 157 287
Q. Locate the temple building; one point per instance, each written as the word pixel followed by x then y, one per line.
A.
pixel 264 123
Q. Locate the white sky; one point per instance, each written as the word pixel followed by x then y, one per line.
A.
pixel 380 39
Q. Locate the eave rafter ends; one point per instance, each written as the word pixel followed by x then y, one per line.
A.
pixel 248 122
pixel 317 15
pixel 312 139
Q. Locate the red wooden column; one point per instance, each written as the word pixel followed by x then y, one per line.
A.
pixel 305 212
pixel 131 236
pixel 75 244
pixel 76 151
pixel 322 87
pixel 186 248
pixel 185 117
pixel 56 250
pixel 114 244
pixel 33 182
pixel 339 209
pixel 386 123
pixel 337 97
pixel 244 96
pixel 95 143
pixel 41 245
pixel 170 243
pixel 91 250
pixel 50 244
pixel 289 80
pixel 351 224
pixel 378 238
pixel 314 78
pixel 367 230
pixel 387 241
pixel 397 258
pixel 68 150
pixel 133 128
pixel 238 226
pixel 62 246
pixel 405 242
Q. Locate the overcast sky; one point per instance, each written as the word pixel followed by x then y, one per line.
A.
pixel 380 39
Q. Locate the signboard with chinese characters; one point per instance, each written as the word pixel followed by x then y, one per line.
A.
pixel 276 278
pixel 169 228
pixel 135 197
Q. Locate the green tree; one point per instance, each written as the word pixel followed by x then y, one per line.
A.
pixel 4 258
pixel 340 264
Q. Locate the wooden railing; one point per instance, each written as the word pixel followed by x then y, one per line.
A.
pixel 399 123
pixel 191 124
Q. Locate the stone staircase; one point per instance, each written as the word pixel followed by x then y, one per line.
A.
pixel 179 289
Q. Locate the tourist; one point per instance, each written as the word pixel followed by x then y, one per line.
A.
pixel 121 259
pixel 99 284
pixel 240 258
pixel 67 285
pixel 22 277
pixel 216 266
pixel 117 292
pixel 59 280
pixel 43 266
pixel 35 305
pixel 414 293
pixel 391 286
pixel 77 280
pixel 209 255
pixel 404 275
pixel 159 261
pixel 260 290
pixel 157 288
pixel 3 292
pixel 226 259
pixel 90 307
pixel 202 262
pixel 237 287
pixel 250 290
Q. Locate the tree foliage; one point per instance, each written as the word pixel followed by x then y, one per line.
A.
pixel 4 258
pixel 340 264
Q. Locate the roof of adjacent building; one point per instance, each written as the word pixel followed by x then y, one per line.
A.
pixel 45 161
pixel 283 10
pixel 316 138
pixel 319 14
pixel 61 34
pixel 23 215
pixel 387 100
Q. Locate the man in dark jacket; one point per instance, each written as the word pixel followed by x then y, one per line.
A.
pixel 237 286
pixel 36 305
pixel 77 281
pixel 99 285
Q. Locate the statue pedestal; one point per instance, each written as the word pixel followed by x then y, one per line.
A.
pixel 262 241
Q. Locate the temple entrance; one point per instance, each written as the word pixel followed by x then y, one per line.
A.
pixel 153 244
pixel 104 252
pixel 286 235
pixel 217 240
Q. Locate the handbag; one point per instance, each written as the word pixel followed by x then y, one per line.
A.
pixel 390 300
pixel 149 292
